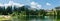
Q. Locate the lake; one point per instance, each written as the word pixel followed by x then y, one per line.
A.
pixel 37 18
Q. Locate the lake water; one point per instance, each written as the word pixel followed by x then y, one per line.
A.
pixel 37 18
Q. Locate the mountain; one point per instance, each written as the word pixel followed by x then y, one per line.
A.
pixel 17 6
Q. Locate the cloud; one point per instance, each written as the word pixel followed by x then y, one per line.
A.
pixel 1 4
pixel 11 3
pixel 48 4
pixel 35 5
pixel 17 4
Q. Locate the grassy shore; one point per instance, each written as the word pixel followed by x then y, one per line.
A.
pixel 5 17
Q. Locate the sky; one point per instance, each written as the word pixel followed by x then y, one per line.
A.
pixel 38 4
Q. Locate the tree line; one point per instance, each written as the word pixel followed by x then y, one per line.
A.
pixel 25 9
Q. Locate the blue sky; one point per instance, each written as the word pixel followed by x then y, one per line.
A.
pixel 45 4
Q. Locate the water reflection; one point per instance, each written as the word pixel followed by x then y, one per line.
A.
pixel 43 18
pixel 36 18
pixel 58 18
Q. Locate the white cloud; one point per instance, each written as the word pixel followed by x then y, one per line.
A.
pixel 35 5
pixel 1 4
pixel 39 6
pixel 48 4
pixel 17 4
pixel 11 3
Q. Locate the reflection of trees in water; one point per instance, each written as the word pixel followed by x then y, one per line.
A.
pixel 35 17
pixel 27 18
